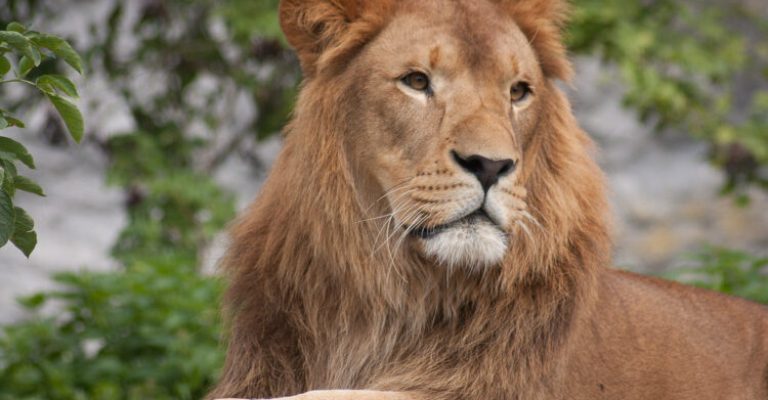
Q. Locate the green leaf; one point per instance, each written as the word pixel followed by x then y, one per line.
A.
pixel 10 174
pixel 25 241
pixel 7 164
pixel 11 146
pixel 22 44
pixel 57 82
pixel 7 218
pixel 33 302
pixel 24 236
pixel 2 175
pixel 16 27
pixel 14 122
pixel 3 122
pixel 5 66
pixel 23 221
pixel 61 48
pixel 28 185
pixel 6 156
pixel 71 116
pixel 25 65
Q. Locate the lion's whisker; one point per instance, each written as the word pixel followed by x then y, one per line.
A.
pixel 382 229
pixel 374 218
pixel 413 220
pixel 408 214
pixel 525 229
pixel 385 226
pixel 396 199
pixel 393 189
pixel 399 224
pixel 411 226
pixel 532 219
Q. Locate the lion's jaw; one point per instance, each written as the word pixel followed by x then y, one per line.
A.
pixel 419 146
pixel 473 241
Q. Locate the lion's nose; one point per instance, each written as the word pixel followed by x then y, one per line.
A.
pixel 486 170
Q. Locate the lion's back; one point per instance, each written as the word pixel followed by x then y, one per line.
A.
pixel 649 338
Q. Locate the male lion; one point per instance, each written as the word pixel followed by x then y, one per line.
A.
pixel 435 228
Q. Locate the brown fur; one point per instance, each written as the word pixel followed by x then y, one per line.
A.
pixel 315 302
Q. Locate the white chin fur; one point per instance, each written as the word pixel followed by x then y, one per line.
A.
pixel 475 246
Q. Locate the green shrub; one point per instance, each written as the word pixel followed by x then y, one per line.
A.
pixel 150 331
pixel 729 271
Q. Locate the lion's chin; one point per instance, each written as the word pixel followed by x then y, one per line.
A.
pixel 476 245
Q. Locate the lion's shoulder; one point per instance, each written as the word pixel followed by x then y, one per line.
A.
pixel 670 312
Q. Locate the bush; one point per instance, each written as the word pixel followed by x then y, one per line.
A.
pixel 729 271
pixel 681 63
pixel 148 332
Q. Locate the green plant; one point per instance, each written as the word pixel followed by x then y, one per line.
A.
pixel 31 51
pixel 173 210
pixel 150 331
pixel 248 62
pixel 727 271
pixel 681 62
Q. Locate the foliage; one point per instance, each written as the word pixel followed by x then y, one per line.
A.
pixel 30 51
pixel 172 209
pixel 681 63
pixel 247 61
pixel 149 332
pixel 728 271
pixel 249 19
pixel 150 329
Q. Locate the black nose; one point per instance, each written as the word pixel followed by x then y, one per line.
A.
pixel 486 170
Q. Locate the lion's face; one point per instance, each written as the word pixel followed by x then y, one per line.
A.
pixel 444 100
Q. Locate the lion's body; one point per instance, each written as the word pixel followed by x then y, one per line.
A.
pixel 321 298
pixel 653 339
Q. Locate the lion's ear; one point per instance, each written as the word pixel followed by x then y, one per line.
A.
pixel 324 30
pixel 542 21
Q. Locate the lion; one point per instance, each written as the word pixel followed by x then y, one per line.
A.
pixel 435 227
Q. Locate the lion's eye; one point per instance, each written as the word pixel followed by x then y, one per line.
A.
pixel 417 81
pixel 520 92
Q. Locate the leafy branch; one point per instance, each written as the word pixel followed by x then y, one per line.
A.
pixel 680 63
pixel 25 50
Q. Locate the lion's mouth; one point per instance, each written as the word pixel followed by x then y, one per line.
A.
pixel 476 217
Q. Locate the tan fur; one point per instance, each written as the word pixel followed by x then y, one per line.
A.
pixel 329 292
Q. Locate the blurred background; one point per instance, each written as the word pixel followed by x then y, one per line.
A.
pixel 184 100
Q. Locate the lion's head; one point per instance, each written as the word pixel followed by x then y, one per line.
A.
pixel 439 109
